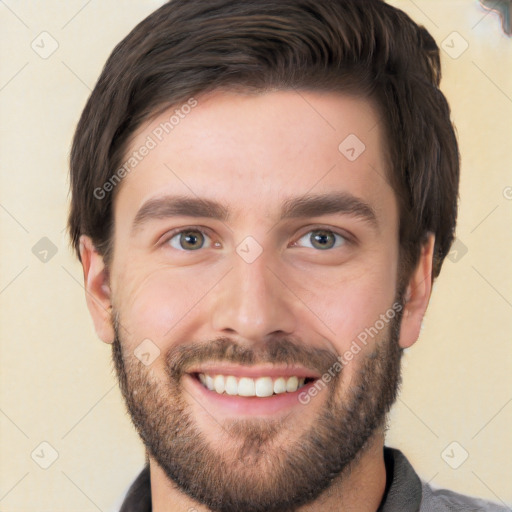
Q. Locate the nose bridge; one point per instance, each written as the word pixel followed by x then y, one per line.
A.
pixel 252 302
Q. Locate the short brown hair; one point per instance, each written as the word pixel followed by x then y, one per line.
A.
pixel 363 47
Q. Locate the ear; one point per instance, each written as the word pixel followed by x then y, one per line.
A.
pixel 417 295
pixel 97 289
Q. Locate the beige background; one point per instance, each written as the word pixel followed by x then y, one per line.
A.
pixel 56 380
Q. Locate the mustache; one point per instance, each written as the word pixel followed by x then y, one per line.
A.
pixel 279 350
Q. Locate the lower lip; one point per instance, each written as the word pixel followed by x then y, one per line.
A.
pixel 245 406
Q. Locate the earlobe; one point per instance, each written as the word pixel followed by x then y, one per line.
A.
pixel 97 289
pixel 417 295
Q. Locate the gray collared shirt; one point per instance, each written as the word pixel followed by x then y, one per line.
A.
pixel 408 493
pixel 405 492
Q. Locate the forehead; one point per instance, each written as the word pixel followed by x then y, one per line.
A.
pixel 254 151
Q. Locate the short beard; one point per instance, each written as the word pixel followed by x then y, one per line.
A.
pixel 255 474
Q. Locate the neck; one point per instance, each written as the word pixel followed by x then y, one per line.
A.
pixel 360 490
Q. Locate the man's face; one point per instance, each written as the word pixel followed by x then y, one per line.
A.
pixel 275 281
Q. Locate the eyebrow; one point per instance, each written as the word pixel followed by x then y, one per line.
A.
pixel 293 208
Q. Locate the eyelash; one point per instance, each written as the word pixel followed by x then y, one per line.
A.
pixel 169 236
pixel 347 240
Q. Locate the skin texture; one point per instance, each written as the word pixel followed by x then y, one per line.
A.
pixel 295 303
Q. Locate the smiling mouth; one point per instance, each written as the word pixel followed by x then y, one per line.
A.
pixel 261 387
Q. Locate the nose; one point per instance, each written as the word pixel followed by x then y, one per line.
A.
pixel 253 303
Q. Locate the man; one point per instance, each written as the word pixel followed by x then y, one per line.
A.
pixel 262 195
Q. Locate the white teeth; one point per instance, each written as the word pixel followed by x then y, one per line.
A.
pixel 209 382
pixel 245 386
pixel 218 383
pixel 280 385
pixel 292 384
pixel 264 386
pixel 231 385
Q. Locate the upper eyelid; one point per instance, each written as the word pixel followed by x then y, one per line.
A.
pixel 173 232
pixel 169 235
pixel 347 239
pixel 337 231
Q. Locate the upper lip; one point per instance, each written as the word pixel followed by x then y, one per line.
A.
pixel 254 371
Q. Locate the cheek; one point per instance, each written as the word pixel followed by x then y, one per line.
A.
pixel 356 301
pixel 154 305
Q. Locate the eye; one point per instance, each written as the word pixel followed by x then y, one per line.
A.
pixel 189 240
pixel 322 239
